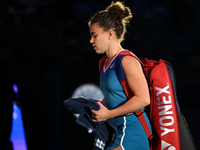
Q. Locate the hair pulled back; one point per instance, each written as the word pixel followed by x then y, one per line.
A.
pixel 116 16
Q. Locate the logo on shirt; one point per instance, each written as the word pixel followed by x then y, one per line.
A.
pixel 99 143
pixel 112 65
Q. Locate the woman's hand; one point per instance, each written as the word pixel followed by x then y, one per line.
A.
pixel 101 115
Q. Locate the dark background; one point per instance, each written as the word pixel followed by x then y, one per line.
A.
pixel 45 46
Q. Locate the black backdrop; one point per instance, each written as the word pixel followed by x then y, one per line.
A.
pixel 45 44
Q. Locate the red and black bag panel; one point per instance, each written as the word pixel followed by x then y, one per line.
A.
pixel 170 129
pixel 186 139
pixel 163 109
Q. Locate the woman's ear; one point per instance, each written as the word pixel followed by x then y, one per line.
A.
pixel 110 34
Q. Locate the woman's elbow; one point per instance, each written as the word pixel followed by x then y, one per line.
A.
pixel 146 101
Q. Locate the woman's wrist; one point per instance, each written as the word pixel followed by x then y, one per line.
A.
pixel 112 113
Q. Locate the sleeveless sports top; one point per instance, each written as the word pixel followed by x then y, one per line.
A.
pixel 130 129
pixel 111 87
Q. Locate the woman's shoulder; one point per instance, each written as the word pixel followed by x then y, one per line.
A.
pixel 129 61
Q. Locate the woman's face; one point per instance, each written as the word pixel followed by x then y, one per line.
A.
pixel 99 38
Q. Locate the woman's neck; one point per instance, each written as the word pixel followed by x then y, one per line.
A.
pixel 113 50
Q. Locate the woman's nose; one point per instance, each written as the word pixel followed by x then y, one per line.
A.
pixel 91 40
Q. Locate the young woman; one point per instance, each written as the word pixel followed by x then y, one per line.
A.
pixel 107 29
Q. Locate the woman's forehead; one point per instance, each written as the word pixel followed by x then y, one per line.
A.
pixel 94 28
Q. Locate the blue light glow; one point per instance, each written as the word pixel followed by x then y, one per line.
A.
pixel 17 135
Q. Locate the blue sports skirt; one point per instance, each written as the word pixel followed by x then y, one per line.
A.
pixel 131 134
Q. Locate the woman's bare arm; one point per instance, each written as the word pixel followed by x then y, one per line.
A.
pixel 137 83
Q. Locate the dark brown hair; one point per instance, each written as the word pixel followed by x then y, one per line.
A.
pixel 116 16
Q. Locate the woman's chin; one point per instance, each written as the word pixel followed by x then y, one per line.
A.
pixel 98 52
